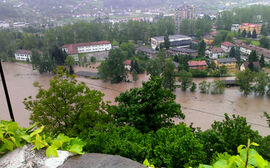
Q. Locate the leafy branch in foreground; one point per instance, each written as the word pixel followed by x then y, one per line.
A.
pixel 247 158
pixel 12 136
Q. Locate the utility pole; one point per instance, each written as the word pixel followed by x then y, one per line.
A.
pixel 6 92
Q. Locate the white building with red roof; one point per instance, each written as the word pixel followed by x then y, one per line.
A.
pixel 215 52
pixel 201 65
pixel 88 48
pixel 227 46
pixel 23 55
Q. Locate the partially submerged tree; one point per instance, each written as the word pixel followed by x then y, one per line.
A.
pixel 147 108
pixel 67 106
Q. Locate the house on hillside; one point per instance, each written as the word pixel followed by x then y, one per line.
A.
pixel 99 50
pixel 229 63
pixel 244 66
pixel 201 65
pixel 127 64
pixel 23 55
pixel 215 53
pixel 227 46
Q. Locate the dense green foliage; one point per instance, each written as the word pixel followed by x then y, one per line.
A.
pixel 67 106
pixel 12 136
pixel 226 135
pixel 245 79
pixel 186 79
pixel 113 67
pixel 247 157
pixel 168 147
pixel 169 75
pixel 147 108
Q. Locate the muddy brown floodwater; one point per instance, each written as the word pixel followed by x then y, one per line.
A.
pixel 200 109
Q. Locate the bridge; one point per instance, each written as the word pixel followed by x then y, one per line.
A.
pixel 230 83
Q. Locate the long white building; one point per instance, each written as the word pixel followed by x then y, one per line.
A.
pixel 178 41
pixel 23 55
pixel 98 49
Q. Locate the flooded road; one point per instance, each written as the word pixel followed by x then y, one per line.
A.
pixel 200 109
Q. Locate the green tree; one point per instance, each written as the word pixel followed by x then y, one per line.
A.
pixel 153 67
pixel 262 61
pixel 113 67
pixel 232 53
pixel 218 87
pixel 93 59
pixel 238 54
pixel 186 79
pixel 4 57
pixel 70 62
pixel 167 43
pixel 245 79
pixel 35 59
pixel 147 108
pixel 261 81
pixel 58 55
pixel 168 75
pixel 134 75
pixel 223 70
pixel 251 59
pixel 254 34
pixel 204 87
pixel 249 34
pixel 202 48
pixel 66 106
pixel 193 87
pixel 264 42
pixel 227 135
pixel 244 33
pixel 176 147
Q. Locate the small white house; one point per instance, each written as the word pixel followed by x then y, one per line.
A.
pixel 23 55
pixel 227 46
pixel 215 53
pixel 235 27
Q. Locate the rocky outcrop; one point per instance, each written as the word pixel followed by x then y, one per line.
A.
pixel 95 160
pixel 25 157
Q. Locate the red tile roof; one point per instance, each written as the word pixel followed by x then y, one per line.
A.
pixel 27 52
pixel 73 48
pixel 196 63
pixel 228 44
pixel 127 62
pixel 217 50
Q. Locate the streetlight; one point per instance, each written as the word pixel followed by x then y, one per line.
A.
pixel 6 92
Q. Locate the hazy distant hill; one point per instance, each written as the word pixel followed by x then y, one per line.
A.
pixel 7 12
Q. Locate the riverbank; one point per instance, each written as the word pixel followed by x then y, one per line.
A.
pixel 200 109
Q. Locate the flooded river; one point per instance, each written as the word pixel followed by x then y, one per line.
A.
pixel 200 109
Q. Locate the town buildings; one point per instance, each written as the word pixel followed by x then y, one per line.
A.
pixel 147 51
pixel 98 49
pixel 215 53
pixel 229 63
pixel 251 27
pixel 244 66
pixel 184 12
pixel 175 41
pixel 200 65
pixel 23 55
pixel 227 46
pixel 183 51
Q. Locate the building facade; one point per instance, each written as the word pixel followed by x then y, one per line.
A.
pixel 229 63
pixel 227 46
pixel 201 65
pixel 175 41
pixel 251 27
pixel 215 53
pixel 184 12
pixel 99 49
pixel 23 55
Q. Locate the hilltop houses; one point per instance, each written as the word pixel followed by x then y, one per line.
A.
pixel 227 46
pixel 98 49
